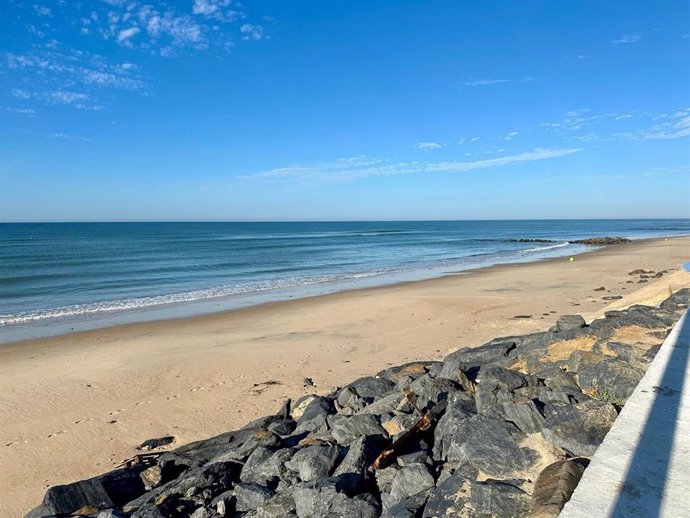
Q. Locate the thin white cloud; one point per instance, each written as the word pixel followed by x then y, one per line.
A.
pixel 511 135
pixel 67 136
pixel 627 38
pixel 252 31
pixel 427 146
pixel 364 167
pixel 125 34
pixel 494 81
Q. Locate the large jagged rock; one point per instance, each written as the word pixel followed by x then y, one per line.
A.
pixel 613 379
pixel 314 461
pixel 347 429
pixel 499 499
pixel 409 481
pixel 324 497
pixel 451 495
pixel 554 487
pixel 102 492
pixel 579 428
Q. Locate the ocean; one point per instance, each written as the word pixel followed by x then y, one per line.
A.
pixel 58 277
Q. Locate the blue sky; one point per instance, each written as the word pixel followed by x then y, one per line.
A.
pixel 215 109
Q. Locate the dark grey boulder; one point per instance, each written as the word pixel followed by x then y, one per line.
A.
pixel 385 476
pixel 314 415
pixel 103 492
pixel 678 301
pixel 467 359
pixel 613 379
pixel 254 471
pixel 409 481
pixel 112 513
pixel 352 471
pixel 461 405
pixel 452 494
pixel 411 507
pixel 314 461
pixel 526 416
pixel 347 429
pixel 568 323
pixel 579 428
pixel 430 391
pixel 367 388
pixel 412 370
pixel 582 359
pixel 496 384
pixel 499 499
pixel 150 511
pixel 491 446
pixel 324 497
pixel 281 505
pixel 250 496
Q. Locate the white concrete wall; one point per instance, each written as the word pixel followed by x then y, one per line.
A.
pixel 642 469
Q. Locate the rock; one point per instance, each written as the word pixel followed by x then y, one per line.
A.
pixel 111 513
pixel 412 370
pixel 99 493
pixel 315 413
pixel 579 428
pixel 347 429
pixel 569 322
pixel 248 497
pixel 314 461
pixel 368 388
pixel 460 407
pixel 149 511
pixel 452 494
pixel 613 379
pixel 323 497
pixel 499 499
pixel 526 416
pixel 471 358
pixel 555 486
pixel 300 405
pixel 411 507
pixel 361 454
pixel 398 424
pixel 612 297
pixel 255 470
pixel 308 382
pixel 201 513
pixel 601 288
pixel 522 316
pixel 430 391
pixel 409 481
pixel 601 241
pixel 490 447
pixel 495 384
pixel 281 505
pixel 152 477
pixel 152 444
pixel 680 300
pixel 582 359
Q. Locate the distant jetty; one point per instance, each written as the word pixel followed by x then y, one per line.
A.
pixel 504 429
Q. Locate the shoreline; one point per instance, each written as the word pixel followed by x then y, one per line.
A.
pixel 76 405
pixel 183 311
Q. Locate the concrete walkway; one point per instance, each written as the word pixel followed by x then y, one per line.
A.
pixel 642 469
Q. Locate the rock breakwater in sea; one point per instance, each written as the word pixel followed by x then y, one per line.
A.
pixel 500 430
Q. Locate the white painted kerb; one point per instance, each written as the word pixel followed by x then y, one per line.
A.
pixel 642 469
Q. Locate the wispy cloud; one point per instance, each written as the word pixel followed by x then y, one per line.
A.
pixel 511 135
pixel 494 81
pixel 627 38
pixel 677 126
pixel 350 169
pixel 427 146
pixel 67 136
pixel 47 73
pixel 252 31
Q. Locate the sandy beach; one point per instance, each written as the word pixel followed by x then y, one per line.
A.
pixel 77 405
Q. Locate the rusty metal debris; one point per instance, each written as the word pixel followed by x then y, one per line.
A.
pixel 141 459
pixel 420 426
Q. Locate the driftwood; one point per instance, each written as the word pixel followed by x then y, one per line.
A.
pixel 141 459
pixel 420 426
pixel 554 487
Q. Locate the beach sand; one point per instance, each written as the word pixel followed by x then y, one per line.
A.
pixel 75 406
